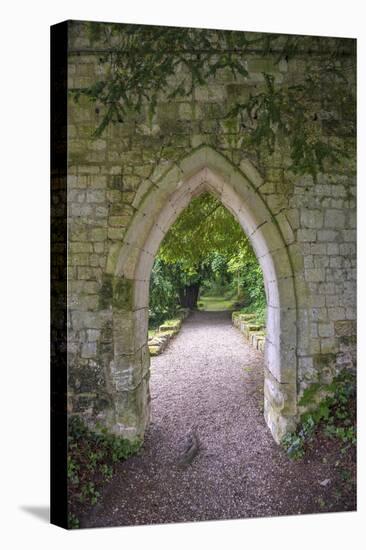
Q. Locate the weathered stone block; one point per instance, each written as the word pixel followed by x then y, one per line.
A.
pixel 325 330
pixel 314 274
pixel 116 233
pixel 81 210
pixel 345 328
pixel 319 314
pixel 336 313
pixel 333 301
pixel 97 182
pixel 321 261
pixel 95 196
pixel 347 249
pixel 306 235
pixel 98 234
pixel 329 345
pixel 285 228
pixel 334 219
pixel 119 221
pixel 327 235
pixel 210 93
pixel 88 350
pixel 318 248
pixel 312 218
pixel 81 247
pixel 122 293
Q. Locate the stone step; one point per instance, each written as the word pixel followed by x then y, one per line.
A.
pixel 171 326
pixel 253 332
pixel 167 331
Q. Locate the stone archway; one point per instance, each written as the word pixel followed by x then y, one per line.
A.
pixel 165 198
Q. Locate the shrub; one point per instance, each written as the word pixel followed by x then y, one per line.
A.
pixel 90 460
pixel 335 416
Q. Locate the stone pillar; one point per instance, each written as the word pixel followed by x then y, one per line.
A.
pixel 129 369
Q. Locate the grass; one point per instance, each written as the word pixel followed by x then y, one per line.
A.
pixel 215 303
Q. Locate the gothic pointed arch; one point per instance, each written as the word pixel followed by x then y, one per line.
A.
pixel 166 196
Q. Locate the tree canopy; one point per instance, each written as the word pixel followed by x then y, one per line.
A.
pixel 204 228
pixel 205 250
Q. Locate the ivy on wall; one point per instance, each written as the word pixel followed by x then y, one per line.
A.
pixel 143 64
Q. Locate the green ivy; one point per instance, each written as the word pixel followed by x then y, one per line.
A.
pixel 335 416
pixel 73 521
pixel 290 112
pixel 147 64
pixel 90 460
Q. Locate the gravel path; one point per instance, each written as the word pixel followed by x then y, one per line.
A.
pixel 211 380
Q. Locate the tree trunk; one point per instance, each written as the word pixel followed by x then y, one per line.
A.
pixel 188 295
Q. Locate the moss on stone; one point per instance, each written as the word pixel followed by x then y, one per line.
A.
pixel 324 360
pixel 115 291
pixel 102 403
pixel 106 335
pixel 171 325
pixel 122 293
pixel 310 395
pixel 348 340
pixel 246 316
pixel 106 291
pixel 154 350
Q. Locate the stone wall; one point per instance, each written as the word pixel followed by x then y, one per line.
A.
pixel 120 183
pixel 253 332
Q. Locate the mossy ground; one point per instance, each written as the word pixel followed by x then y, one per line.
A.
pixel 215 303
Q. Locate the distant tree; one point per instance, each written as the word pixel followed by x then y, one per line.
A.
pixel 199 244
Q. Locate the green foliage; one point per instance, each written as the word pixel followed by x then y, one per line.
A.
pixel 73 522
pixel 205 228
pixel 207 247
pixel 106 470
pixel 258 311
pixel 310 394
pixel 294 443
pixel 218 280
pixel 250 280
pixel 164 299
pixel 193 252
pixel 89 493
pixel 335 416
pixel 72 470
pixel 290 112
pixel 90 460
pixel 144 64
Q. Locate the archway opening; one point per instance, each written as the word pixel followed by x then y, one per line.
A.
pixel 205 262
pixel 165 198
pixel 204 273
